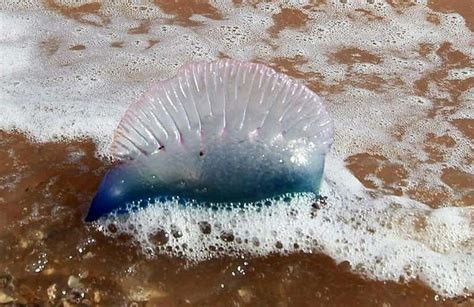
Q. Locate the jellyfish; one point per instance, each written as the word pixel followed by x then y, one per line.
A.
pixel 223 132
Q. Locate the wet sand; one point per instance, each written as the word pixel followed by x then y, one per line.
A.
pixel 49 256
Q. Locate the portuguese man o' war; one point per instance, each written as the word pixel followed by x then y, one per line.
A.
pixel 218 133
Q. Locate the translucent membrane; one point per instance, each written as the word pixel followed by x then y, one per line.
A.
pixel 219 132
pixel 68 93
pixel 386 238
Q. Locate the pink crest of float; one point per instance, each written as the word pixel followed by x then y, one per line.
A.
pixel 226 98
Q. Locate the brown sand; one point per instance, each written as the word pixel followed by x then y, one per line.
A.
pixel 43 242
pixel 49 256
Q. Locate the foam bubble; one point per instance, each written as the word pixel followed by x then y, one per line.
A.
pixel 52 89
pixel 387 238
pixel 461 73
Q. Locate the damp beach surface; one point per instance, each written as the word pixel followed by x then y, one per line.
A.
pixel 396 77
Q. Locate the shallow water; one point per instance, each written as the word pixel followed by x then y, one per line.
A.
pixel 44 242
pixel 399 88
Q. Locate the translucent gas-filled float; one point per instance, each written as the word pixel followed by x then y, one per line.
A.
pixel 222 134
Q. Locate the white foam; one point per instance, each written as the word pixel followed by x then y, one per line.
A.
pixel 50 91
pixel 13 58
pixel 461 73
pixel 386 238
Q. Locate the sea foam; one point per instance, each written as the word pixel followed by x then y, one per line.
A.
pixel 52 89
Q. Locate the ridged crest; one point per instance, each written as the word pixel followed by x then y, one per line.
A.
pixel 224 98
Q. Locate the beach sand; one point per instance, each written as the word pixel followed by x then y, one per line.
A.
pixel 48 255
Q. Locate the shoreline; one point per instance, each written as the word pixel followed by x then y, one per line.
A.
pixel 396 77
pixel 63 176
